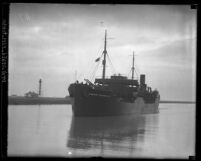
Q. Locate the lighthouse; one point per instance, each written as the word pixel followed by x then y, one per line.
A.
pixel 39 90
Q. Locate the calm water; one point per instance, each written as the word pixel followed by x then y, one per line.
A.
pixel 50 130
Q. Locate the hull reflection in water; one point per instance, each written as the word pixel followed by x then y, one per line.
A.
pixel 106 136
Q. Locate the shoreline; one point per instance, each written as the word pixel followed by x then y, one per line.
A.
pixel 184 102
pixel 20 100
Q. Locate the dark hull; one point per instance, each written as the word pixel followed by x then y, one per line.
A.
pixel 110 106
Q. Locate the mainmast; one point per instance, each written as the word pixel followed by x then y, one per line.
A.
pixel 104 52
pixel 133 67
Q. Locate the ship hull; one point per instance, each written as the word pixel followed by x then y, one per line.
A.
pixel 111 106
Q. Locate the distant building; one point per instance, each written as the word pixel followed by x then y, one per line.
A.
pixel 14 95
pixel 31 94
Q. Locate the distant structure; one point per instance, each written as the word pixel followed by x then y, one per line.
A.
pixel 34 94
pixel 31 94
pixel 40 84
pixel 14 95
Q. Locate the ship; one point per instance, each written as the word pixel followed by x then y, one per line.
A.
pixel 114 96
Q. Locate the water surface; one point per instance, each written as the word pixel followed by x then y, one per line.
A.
pixel 51 130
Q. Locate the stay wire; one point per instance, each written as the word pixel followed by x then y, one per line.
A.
pixel 92 66
pixel 95 70
pixel 129 72
pixel 114 70
pixel 136 70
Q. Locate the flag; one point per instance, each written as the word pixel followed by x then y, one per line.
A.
pixel 97 59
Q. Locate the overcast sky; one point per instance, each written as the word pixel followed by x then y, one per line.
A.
pixel 59 43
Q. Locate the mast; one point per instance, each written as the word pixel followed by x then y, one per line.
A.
pixel 104 52
pixel 133 67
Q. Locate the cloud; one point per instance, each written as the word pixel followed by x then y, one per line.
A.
pixel 180 53
pixel 54 41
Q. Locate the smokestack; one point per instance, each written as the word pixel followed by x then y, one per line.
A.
pixel 40 83
pixel 142 79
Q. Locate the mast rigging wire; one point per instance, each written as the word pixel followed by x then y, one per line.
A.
pixel 95 70
pixel 114 70
pixel 90 71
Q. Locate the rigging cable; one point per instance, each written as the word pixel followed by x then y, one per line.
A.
pixel 93 66
pixel 129 73
pixel 95 70
pixel 136 70
pixel 114 71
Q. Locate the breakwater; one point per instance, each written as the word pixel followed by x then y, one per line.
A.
pixel 20 100
pixel 183 102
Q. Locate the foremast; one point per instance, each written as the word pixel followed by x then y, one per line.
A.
pixel 104 59
pixel 104 53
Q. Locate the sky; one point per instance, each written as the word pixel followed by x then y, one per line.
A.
pixel 60 42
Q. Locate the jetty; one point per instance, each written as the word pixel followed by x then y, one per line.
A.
pixel 21 100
